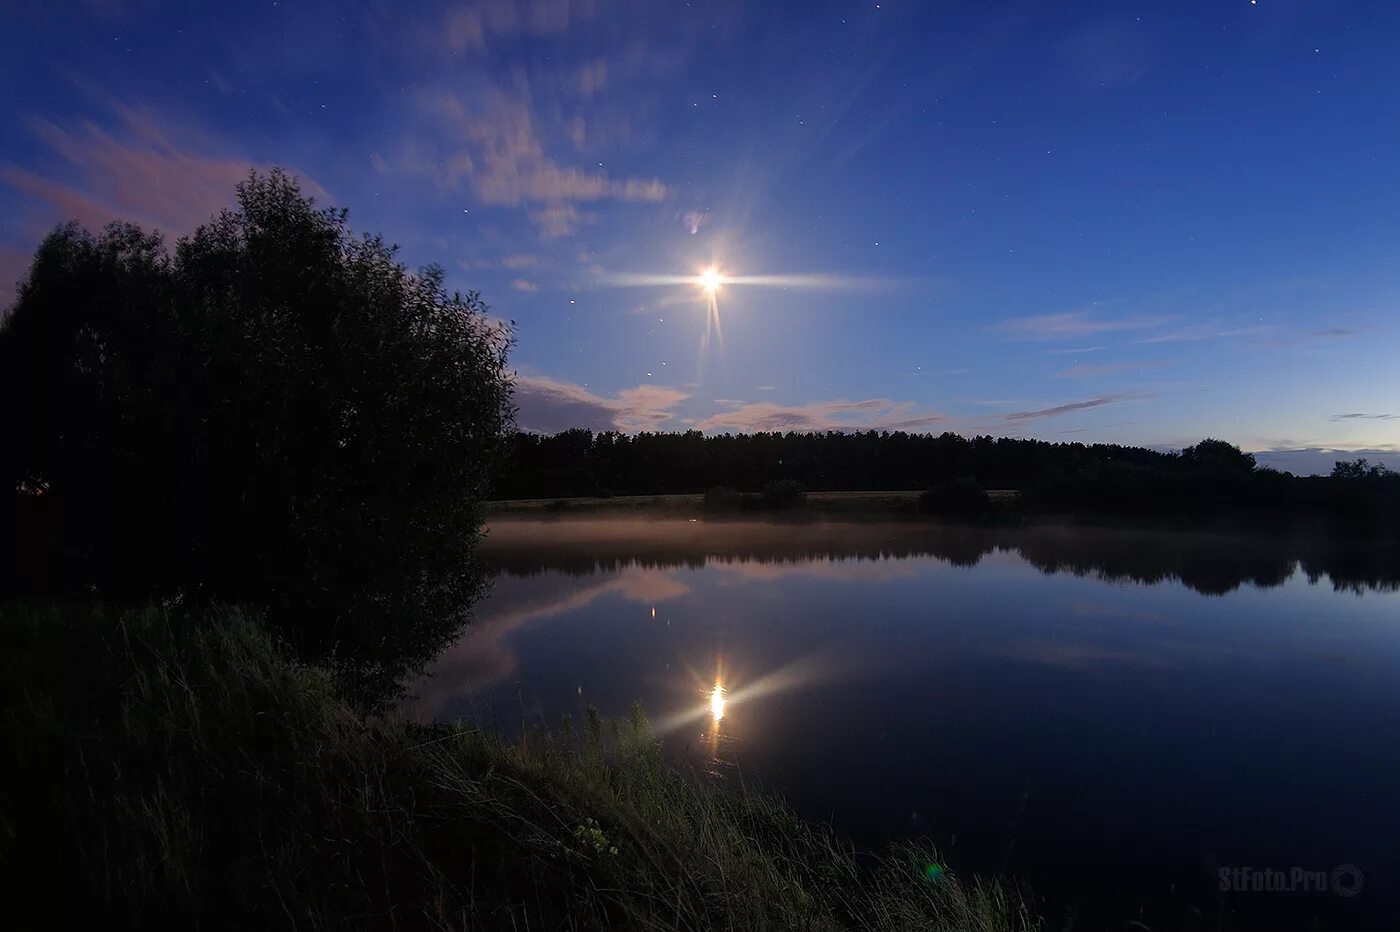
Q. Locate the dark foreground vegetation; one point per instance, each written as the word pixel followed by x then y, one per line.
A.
pixel 739 472
pixel 182 771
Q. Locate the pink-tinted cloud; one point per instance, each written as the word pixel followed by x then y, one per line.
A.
pixel 558 220
pixel 135 171
pixel 592 78
pixel 870 413
pixel 1074 324
pixel 524 284
pixel 548 405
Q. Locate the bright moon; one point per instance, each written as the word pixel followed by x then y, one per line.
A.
pixel 710 279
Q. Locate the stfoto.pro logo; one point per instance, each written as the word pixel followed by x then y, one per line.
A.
pixel 1343 880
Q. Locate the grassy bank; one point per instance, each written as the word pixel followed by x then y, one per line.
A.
pixel 183 771
pixel 845 503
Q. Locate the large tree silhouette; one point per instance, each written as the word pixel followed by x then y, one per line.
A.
pixel 277 412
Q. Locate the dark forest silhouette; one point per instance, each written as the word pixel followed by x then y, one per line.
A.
pixel 1209 478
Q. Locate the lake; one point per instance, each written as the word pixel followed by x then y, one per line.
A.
pixel 1137 724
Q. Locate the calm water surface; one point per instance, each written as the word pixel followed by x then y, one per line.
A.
pixel 1111 716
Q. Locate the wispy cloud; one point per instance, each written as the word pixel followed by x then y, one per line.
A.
pixel 558 220
pixel 592 77
pixel 468 26
pixel 1364 417
pixel 1074 324
pixel 1209 330
pixel 525 285
pixel 870 413
pixel 550 405
pixel 517 262
pixel 135 170
pixel 1336 332
pixel 506 162
pixel 1086 371
pixel 1075 350
pixel 494 144
pixel 1068 408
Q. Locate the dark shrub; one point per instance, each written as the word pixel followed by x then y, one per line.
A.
pixel 721 498
pixel 961 498
pixel 783 494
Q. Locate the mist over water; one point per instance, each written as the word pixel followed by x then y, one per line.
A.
pixel 1101 712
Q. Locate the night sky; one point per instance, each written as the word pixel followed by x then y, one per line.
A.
pixel 1127 222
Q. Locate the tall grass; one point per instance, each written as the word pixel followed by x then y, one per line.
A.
pixel 175 770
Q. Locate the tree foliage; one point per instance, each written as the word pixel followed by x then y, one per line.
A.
pixel 580 462
pixel 1359 469
pixel 277 412
pixel 1218 456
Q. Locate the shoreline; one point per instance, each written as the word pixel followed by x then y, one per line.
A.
pixel 885 502
pixel 902 507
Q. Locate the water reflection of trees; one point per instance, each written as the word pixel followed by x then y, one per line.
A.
pixel 1209 563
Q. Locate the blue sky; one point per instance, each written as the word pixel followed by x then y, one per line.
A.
pixel 1130 222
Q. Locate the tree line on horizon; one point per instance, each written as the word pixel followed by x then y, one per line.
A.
pixel 1212 475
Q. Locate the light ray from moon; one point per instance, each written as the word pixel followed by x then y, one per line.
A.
pixel 710 280
pixel 784 280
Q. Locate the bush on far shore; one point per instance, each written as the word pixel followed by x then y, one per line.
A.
pixel 721 498
pixel 961 499
pixel 783 494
